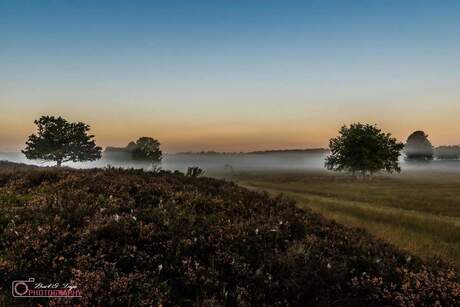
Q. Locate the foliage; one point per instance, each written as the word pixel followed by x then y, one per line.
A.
pixel 418 147
pixel 135 238
pixel 447 152
pixel 146 148
pixel 363 148
pixel 60 141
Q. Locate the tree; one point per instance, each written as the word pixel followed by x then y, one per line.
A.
pixel 447 152
pixel 61 141
pixel 418 147
pixel 363 148
pixel 131 146
pixel 147 148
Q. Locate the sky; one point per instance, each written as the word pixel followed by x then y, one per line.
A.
pixel 235 75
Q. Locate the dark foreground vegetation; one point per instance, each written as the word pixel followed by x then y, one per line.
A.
pixel 133 238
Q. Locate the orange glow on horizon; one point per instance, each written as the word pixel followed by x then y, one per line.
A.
pixel 225 137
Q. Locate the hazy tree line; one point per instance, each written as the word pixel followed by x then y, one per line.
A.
pixel 61 141
pixel 447 152
pixel 365 149
pixel 360 148
pixel 418 147
pixel 144 149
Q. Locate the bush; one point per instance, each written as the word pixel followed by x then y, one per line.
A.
pixel 134 238
pixel 194 171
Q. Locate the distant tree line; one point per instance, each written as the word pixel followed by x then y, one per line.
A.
pixel 364 149
pixel 419 148
pixel 359 148
pixel 447 152
pixel 257 152
pixel 61 141
pixel 144 149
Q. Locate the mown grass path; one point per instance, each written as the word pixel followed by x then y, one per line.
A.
pixel 416 213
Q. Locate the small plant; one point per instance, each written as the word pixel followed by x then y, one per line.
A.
pixel 156 169
pixel 194 171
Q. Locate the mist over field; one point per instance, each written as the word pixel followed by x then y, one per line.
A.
pixel 229 153
pixel 228 163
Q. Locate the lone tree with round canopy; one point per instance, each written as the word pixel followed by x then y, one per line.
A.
pixel 418 147
pixel 147 149
pixel 61 141
pixel 365 149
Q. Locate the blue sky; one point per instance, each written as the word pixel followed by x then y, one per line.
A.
pixel 230 75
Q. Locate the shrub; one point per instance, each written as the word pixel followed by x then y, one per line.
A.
pixel 194 171
pixel 134 238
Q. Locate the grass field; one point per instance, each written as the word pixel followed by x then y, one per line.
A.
pixel 417 211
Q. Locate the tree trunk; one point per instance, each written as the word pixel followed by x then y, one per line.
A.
pixel 59 162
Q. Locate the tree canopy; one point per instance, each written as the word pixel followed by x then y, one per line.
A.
pixel 61 141
pixel 147 148
pixel 418 147
pixel 363 148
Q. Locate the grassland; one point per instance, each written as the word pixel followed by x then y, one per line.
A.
pixel 417 211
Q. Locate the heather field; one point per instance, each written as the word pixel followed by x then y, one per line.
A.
pixel 136 238
pixel 418 210
pixel 230 153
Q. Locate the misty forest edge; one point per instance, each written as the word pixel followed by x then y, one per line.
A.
pixel 359 149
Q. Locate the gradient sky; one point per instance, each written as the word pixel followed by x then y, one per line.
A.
pixel 230 75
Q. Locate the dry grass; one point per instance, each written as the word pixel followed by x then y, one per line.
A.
pixel 417 211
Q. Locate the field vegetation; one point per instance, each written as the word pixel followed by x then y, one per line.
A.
pixel 418 211
pixel 136 238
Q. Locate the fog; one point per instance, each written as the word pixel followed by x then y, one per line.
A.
pixel 208 162
pixel 228 163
